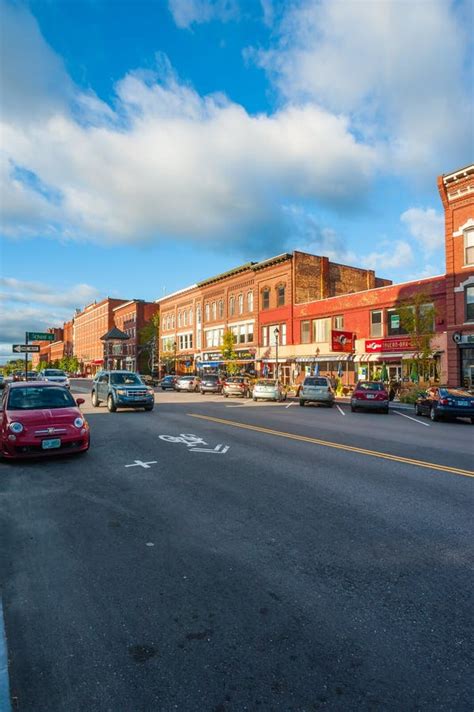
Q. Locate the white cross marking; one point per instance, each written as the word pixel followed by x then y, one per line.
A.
pixel 139 463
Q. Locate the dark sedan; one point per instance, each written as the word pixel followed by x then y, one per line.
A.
pixel 211 384
pixel 168 383
pixel 442 402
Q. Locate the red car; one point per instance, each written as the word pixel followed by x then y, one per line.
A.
pixel 370 395
pixel 39 419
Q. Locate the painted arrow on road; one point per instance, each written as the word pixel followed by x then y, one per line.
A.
pixel 215 451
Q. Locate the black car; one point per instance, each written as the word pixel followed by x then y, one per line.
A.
pixel 121 389
pixel 168 383
pixel 443 402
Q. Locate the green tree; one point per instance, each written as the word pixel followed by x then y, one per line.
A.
pixel 148 343
pixel 417 319
pixel 41 365
pixel 229 353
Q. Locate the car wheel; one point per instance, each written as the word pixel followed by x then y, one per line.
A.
pixel 472 421
pixel 254 399
pixel 418 410
pixel 302 402
pixel 111 407
pixel 94 399
pixel 225 395
pixel 162 388
pixel 353 408
pixel 149 407
pixel 433 414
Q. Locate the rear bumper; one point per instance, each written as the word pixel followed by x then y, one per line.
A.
pixel 370 404
pixel 316 399
pixel 455 412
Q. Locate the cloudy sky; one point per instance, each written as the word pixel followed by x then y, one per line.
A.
pixel 145 146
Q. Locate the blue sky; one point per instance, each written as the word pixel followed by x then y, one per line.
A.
pixel 150 144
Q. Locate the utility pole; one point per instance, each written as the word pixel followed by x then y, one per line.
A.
pixel 26 357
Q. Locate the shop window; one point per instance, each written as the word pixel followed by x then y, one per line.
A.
pixel 250 301
pixel 198 315
pixel 305 332
pixel 265 298
pixel 231 306
pixel 339 322
pixel 250 332
pixel 469 292
pixel 376 323
pixel 241 303
pixel 281 295
pixel 469 247
pixel 394 326
pixel 321 329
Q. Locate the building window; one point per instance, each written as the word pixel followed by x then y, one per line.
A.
pixel 281 295
pixel 198 315
pixel 265 298
pixel 179 319
pixel 339 322
pixel 265 335
pixel 376 323
pixel 469 291
pixel 394 327
pixel 250 301
pixel 305 332
pixel 321 329
pixel 190 317
pixel 221 309
pixel 241 303
pixel 185 318
pixel 250 332
pixel 231 306
pixel 206 312
pixel 214 311
pixel 469 247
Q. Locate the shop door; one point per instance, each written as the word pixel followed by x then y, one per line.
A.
pixel 394 372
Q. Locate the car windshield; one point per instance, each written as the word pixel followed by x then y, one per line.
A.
pixel 315 382
pixel 125 379
pixel 54 372
pixel 235 380
pixel 39 397
pixel 186 378
pixel 264 382
pixel 371 386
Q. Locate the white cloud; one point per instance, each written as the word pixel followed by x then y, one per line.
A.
pixel 188 12
pixel 166 162
pixel 397 68
pixel 394 255
pixel 426 226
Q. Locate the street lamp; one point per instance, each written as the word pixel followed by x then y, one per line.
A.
pixel 276 334
pixel 174 350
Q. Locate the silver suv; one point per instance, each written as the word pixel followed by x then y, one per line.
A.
pixel 317 389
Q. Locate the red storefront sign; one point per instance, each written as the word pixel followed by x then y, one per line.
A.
pixel 377 346
pixel 342 341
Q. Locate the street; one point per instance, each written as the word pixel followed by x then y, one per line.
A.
pixel 219 555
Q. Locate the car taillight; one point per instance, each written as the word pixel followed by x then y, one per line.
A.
pixel 443 401
pixel 359 394
pixel 383 395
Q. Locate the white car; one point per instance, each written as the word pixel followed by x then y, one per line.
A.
pixel 55 375
pixel 188 383
pixel 268 389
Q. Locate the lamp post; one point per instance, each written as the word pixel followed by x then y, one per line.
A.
pixel 276 334
pixel 174 351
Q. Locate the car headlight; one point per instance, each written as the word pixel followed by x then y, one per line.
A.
pixel 150 391
pixel 16 427
pixel 79 422
pixel 121 392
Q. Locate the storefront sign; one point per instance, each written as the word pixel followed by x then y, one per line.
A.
pixel 394 321
pixel 212 356
pixel 342 341
pixel 377 346
pixel 246 355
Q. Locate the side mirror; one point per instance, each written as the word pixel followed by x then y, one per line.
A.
pixel 80 401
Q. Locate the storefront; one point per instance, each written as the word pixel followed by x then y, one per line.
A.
pixel 213 362
pixel 465 343
pixel 332 365
pixel 394 360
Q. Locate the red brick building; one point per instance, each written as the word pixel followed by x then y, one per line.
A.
pixel 90 324
pixel 130 318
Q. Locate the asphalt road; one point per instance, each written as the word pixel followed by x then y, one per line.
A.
pixel 269 573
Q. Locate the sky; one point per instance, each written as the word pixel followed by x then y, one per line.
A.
pixel 149 144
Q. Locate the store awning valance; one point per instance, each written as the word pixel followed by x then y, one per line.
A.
pixel 324 357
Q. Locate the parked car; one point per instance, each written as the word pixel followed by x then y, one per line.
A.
pixel 268 389
pixel 369 395
pixel 55 375
pixel 2 381
pixel 210 384
pixel 168 383
pixel 18 376
pixel 188 383
pixel 316 389
pixel 237 386
pixel 443 402
pixel 121 389
pixel 40 419
pixel 148 379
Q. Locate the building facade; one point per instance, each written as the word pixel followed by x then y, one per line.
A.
pixel 90 325
pixel 131 317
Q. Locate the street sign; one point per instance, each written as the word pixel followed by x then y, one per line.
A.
pixel 39 336
pixel 25 348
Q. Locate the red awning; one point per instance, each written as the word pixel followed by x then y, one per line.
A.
pixel 97 362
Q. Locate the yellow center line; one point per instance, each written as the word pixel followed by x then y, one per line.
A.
pixel 337 446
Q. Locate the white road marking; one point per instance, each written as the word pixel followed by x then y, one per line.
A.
pixel 139 463
pixel 289 405
pixel 340 409
pixel 214 451
pixel 149 543
pixel 427 425
pixel 236 406
pixel 4 685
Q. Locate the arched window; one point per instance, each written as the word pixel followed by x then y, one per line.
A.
pixel 241 303
pixel 198 314
pixel 250 301
pixel 280 295
pixel 221 309
pixel 231 306
pixel 265 298
pixel 190 316
pixel 179 319
pixel 206 311
pixel 214 311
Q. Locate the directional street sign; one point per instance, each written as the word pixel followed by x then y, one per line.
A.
pixel 39 336
pixel 25 348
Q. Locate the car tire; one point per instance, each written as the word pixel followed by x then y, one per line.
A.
pixel 225 395
pixel 302 403
pixel 148 408
pixel 95 401
pixel 472 421
pixel 418 410
pixel 353 408
pixel 111 407
pixel 433 414
pixel 162 388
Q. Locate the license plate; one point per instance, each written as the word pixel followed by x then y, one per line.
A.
pixel 463 403
pixel 369 395
pixel 51 444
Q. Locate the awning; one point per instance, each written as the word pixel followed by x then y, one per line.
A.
pixel 273 360
pixel 323 357
pixel 97 362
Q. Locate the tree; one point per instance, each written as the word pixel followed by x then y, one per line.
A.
pixel 42 365
pixel 148 341
pixel 229 353
pixel 417 319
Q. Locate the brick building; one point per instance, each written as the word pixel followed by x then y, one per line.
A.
pixel 44 354
pixel 90 324
pixel 457 195
pixel 130 318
